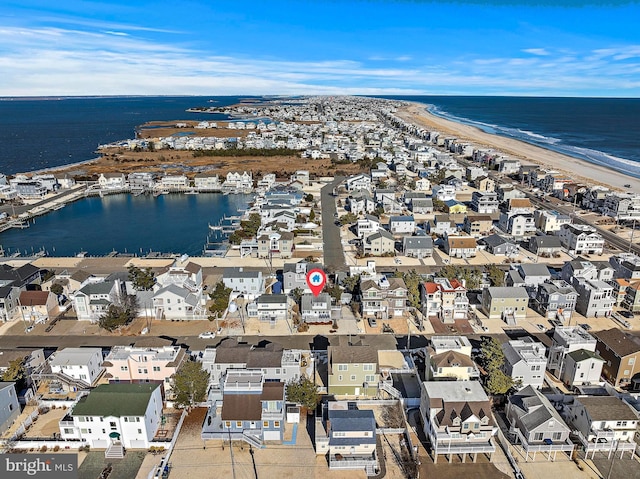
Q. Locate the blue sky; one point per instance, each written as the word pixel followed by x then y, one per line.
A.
pixel 220 47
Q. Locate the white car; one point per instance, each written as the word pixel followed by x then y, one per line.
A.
pixel 207 335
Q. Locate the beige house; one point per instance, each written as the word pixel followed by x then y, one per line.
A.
pixel 506 303
pixel 275 245
pixel 36 306
pixel 460 246
pixel 451 365
pixel 379 243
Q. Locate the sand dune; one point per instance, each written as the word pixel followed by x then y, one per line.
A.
pixel 580 170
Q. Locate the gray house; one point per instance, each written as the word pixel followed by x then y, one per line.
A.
pixel 9 407
pixel 249 283
pixel 545 245
pixel 525 361
pixel 555 298
pixel 316 309
pixel 499 246
pixel 294 275
pixel 537 425
pixel 417 246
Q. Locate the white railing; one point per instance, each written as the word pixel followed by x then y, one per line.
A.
pixel 351 463
pixel 567 445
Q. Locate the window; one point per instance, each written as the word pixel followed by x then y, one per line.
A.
pixel 156 368
pixel 276 423
pixel 340 377
pixel 227 424
pixel 342 367
pixel 538 436
pixel 238 423
pixel 632 361
pixel 367 367
pixel 124 368
pixel 265 423
pixel 139 431
pixel 353 377
pixel 557 436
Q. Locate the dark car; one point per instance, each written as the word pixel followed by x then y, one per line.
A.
pixel 626 314
pixel 548 442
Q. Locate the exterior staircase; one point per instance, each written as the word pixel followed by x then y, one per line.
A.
pixel 251 439
pixel 388 388
pixel 114 451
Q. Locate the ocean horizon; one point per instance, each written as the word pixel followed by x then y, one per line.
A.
pixel 44 133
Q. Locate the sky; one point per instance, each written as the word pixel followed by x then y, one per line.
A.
pixel 280 47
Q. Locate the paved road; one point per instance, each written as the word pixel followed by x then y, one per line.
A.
pixel 333 252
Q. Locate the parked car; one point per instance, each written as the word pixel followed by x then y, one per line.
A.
pixel 626 314
pixel 541 327
pixel 373 322
pixel 207 335
pixel 585 326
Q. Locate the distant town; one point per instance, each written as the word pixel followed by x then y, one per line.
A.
pixel 480 316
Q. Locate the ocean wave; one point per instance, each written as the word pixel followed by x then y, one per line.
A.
pixel 622 165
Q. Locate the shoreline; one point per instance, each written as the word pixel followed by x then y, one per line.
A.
pixel 589 173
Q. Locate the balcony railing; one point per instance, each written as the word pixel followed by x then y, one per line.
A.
pixel 272 414
pixel 566 445
pixel 460 446
pixel 351 462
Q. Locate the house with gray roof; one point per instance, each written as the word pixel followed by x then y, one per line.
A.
pixel 555 299
pixel 352 368
pixel 582 367
pixel 399 225
pixel 73 365
pixel 241 281
pixel 115 416
pixel 525 361
pixel 499 246
pixel 294 275
pixel 506 303
pixel 537 425
pixel 93 300
pixel 348 437
pixel 316 309
pixel 421 206
pixel 379 243
pixel 417 246
pixel 270 307
pixel 545 245
pixel 176 302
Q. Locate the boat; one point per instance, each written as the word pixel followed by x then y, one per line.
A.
pixel 59 206
pixel 192 192
pixel 20 225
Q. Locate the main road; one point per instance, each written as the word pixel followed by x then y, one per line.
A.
pixel 332 244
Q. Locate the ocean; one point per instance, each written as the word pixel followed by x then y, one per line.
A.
pixel 173 223
pixel 603 131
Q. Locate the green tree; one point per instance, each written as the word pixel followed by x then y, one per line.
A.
pixel 438 177
pixel 15 372
pixel 142 279
pixel 351 283
pixel 471 276
pixel 296 294
pixel 190 384
pixel 248 229
pixel 496 275
pixel 120 314
pixel 412 280
pixel 57 289
pixel 492 361
pixel 308 197
pixel 312 215
pixel 334 291
pixel 304 392
pixel 348 219
pixel 220 297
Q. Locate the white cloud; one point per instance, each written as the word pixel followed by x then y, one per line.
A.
pixel 541 52
pixel 57 61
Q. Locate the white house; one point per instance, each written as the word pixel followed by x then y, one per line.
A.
pixel 581 239
pixel 116 414
pixel 112 180
pixel 525 361
pixel 81 364
pixel 582 367
pixel 367 226
pixel 402 225
pixel 93 299
pixel 249 283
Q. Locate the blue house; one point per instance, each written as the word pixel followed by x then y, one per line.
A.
pixel 251 409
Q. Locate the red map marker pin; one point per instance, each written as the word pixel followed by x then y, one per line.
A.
pixel 316 279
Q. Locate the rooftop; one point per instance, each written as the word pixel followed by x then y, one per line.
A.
pixel 117 400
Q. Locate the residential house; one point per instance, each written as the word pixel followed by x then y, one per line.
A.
pixel 358 182
pixel 631 301
pixel 555 299
pixel 92 301
pixel 348 437
pixel 517 225
pixel 276 363
pixel 112 181
pixel 144 364
pixel 529 275
pixel 506 303
pixel 484 202
pixel 141 180
pixel 367 226
pixel 477 226
pixel 444 299
pixel 249 283
pixel 620 291
pixel 545 245
pixel 175 302
pixel 352 368
pixel 603 423
pixel 621 351
pixel 316 309
pixel 383 298
pixel 460 246
pixel 421 206
pixel 550 221
pixel 276 245
pixel 9 406
pixel 423 184
pixel 126 415
pixel 450 358
pixel 360 202
pixel 444 192
pixel 457 418
pixel 484 183
pixel 565 340
pixel 454 208
pixel 500 246
pixel 537 424
pixel 252 409
pixel 402 225
pixel 582 367
pixel 27 189
pixel 379 243
pixel 79 364
pixel 626 265
pixel 270 307
pixel 595 297
pixel 294 276
pixel 580 239
pixel 441 225
pixel 417 246
pixel 622 206
pixel 37 306
pixel 582 269
pixel 525 361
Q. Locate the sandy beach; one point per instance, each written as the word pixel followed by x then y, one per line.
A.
pixel 580 170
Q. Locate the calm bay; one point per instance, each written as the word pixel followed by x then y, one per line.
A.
pixel 173 223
